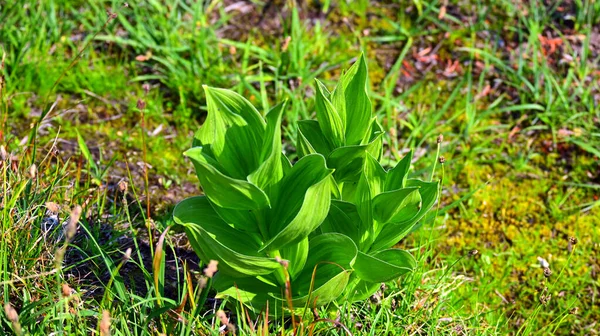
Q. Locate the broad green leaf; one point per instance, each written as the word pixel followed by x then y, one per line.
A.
pixel 212 238
pixel 374 138
pixel 333 255
pixel 330 247
pixel 244 220
pixel 338 96
pixel 410 208
pixel 330 282
pixel 296 255
pixel 338 99
pixel 360 290
pixel 348 190
pixel 303 202
pixel 223 190
pixel 270 170
pixel 251 291
pixel 336 193
pixel 371 183
pixel 343 218
pixel 363 201
pixel 233 131
pixel 286 165
pixel 303 146
pixel 383 266
pixel 396 177
pixel 401 203
pixel 392 233
pixel 291 190
pixel 358 105
pixel 375 174
pixel 348 161
pixel 429 195
pixel 311 140
pixel 329 120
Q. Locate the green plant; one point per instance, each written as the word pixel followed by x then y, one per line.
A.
pixel 259 209
pixel 301 232
pixel 374 207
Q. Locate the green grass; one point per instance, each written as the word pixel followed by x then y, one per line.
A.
pixel 520 124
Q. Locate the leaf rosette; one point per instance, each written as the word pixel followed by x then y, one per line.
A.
pixel 258 209
pixel 375 207
pixel 326 226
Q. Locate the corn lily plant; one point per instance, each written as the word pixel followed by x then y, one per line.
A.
pixel 308 233
pixel 375 207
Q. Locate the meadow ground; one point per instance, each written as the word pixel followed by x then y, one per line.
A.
pixel 513 86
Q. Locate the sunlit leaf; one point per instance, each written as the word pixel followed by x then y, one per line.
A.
pixel 383 266
pixel 358 105
pixel 213 239
pixel 392 233
pixel 311 139
pixel 270 170
pixel 233 131
pixel 396 177
pixel 296 255
pixel 348 161
pixel 329 120
pixel 396 204
pixel 343 218
pixel 223 190
pixel 332 255
pixel 303 202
